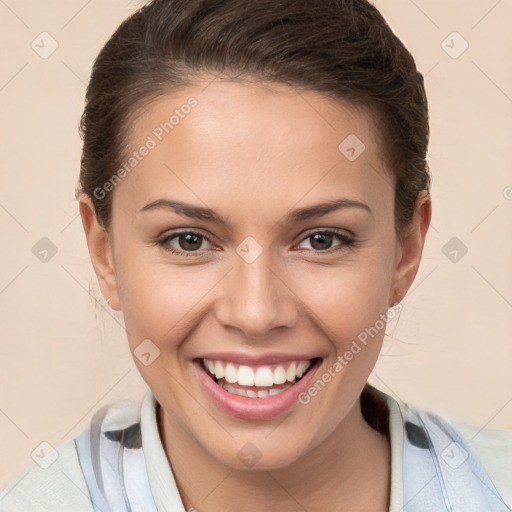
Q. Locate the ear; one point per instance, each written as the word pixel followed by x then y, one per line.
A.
pixel 408 254
pixel 100 251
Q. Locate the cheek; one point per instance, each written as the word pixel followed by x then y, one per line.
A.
pixel 153 300
pixel 160 300
pixel 158 305
pixel 348 299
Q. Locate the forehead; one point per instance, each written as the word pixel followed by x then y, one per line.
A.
pixel 234 142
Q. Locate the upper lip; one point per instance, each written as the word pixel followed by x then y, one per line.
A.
pixel 255 359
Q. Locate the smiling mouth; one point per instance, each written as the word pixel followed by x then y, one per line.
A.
pixel 257 381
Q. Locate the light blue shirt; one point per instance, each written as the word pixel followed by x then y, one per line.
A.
pixel 119 464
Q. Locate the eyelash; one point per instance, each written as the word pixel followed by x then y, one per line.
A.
pixel 347 242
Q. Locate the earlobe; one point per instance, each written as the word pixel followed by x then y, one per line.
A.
pixel 99 251
pixel 408 254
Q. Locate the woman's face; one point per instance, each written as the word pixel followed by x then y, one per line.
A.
pixel 223 247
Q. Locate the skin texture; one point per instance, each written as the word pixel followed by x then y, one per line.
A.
pixel 253 153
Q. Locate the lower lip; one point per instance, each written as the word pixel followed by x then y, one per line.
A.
pixel 255 408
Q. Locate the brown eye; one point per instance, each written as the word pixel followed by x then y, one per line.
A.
pixel 322 241
pixel 190 241
pixel 184 243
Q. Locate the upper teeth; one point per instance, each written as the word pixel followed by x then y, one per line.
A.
pixel 260 376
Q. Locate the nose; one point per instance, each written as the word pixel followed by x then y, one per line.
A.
pixel 256 298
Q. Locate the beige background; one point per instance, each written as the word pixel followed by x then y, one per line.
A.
pixel 63 356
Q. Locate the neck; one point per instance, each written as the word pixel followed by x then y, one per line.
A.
pixel 351 468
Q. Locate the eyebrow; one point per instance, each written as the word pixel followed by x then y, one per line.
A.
pixel 297 215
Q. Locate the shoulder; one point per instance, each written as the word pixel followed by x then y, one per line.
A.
pixel 493 448
pixel 54 483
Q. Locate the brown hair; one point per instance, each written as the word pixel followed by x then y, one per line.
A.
pixel 341 48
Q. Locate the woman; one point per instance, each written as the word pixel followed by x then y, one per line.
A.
pixel 255 196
